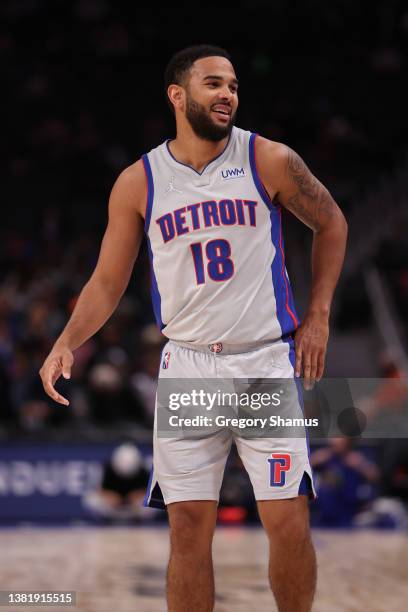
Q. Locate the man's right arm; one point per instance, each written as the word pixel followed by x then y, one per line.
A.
pixel 101 294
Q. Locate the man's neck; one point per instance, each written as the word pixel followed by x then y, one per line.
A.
pixel 189 149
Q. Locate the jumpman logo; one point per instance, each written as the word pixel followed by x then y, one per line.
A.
pixel 171 187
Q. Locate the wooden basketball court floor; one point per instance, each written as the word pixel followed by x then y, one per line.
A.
pixel 122 569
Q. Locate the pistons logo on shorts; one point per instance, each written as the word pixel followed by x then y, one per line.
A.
pixel 215 348
pixel 165 362
pixel 279 464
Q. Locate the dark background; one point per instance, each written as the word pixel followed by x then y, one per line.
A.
pixel 82 97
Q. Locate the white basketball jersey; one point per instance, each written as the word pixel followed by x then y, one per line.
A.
pixel 216 249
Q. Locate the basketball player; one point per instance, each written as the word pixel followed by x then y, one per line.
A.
pixel 210 204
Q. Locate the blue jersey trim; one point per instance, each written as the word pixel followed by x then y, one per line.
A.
pixel 305 486
pixel 150 191
pixel 154 495
pixel 258 183
pixel 205 167
pixel 148 492
pixel 285 309
pixel 154 290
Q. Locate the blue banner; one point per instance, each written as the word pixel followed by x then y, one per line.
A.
pixel 47 482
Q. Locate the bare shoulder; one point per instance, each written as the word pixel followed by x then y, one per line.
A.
pixel 270 149
pixel 130 188
pixel 271 160
pixel 282 166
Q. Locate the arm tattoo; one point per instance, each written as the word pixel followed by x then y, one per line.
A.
pixel 311 201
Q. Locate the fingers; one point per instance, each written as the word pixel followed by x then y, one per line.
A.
pixel 311 341
pixel 303 361
pixel 49 375
pixel 57 397
pixel 313 368
pixel 307 369
pixel 67 361
pixel 49 378
pixel 320 365
pixel 312 364
pixel 298 363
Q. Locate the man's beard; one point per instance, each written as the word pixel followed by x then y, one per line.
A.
pixel 202 124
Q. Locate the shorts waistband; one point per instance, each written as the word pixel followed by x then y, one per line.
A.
pixel 222 348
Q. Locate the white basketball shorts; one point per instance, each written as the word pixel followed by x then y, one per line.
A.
pixel 193 469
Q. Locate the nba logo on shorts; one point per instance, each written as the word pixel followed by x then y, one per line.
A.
pixel 279 464
pixel 166 359
pixel 215 348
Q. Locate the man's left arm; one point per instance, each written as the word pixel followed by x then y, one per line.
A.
pixel 287 178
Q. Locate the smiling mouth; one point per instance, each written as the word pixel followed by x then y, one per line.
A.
pixel 222 114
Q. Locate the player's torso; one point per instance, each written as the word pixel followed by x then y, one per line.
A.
pixel 212 250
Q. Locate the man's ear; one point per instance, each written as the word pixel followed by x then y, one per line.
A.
pixel 176 96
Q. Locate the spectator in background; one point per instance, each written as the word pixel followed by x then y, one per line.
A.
pixel 143 381
pixel 389 400
pixel 346 481
pixel 390 510
pixel 395 469
pixel 110 398
pixel 123 486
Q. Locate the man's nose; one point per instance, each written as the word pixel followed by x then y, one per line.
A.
pixel 226 93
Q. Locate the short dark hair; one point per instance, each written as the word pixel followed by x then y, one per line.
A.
pixel 182 61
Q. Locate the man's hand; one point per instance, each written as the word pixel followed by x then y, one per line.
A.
pixel 58 362
pixel 311 343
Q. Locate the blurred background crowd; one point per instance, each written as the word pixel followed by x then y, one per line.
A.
pixel 83 98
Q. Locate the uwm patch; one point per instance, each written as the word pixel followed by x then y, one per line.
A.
pixel 279 465
pixel 165 362
pixel 232 173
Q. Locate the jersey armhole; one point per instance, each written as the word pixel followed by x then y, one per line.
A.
pixel 150 192
pixel 258 183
